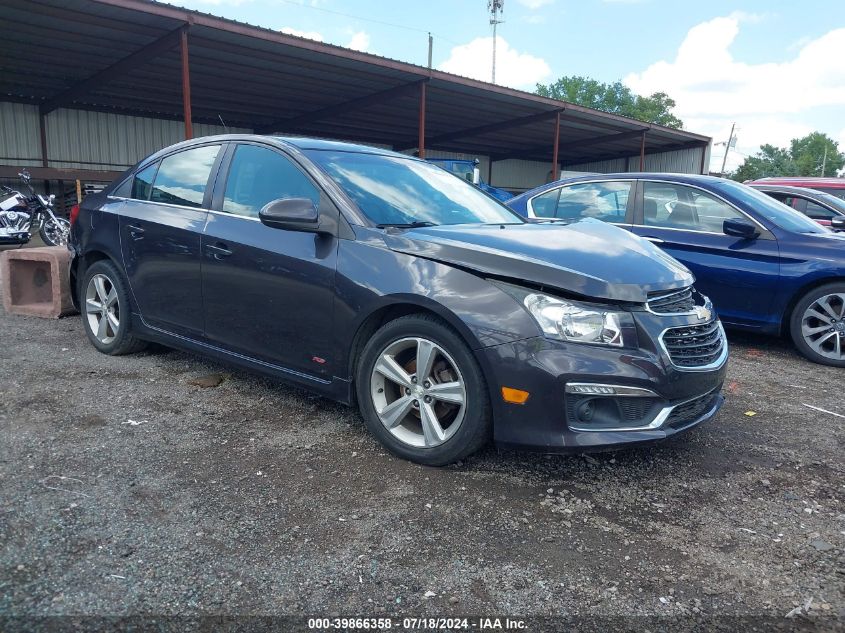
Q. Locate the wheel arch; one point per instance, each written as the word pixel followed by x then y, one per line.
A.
pixel 400 306
pixel 786 317
pixel 80 264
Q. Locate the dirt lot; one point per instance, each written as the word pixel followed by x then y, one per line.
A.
pixel 125 488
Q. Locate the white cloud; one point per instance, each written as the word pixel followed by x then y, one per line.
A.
pixel 535 4
pixel 360 42
pixel 771 102
pixel 514 69
pixel 311 35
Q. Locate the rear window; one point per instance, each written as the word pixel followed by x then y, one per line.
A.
pixel 182 177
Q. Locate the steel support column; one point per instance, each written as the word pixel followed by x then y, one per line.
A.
pixel 42 129
pixel 642 152
pixel 555 148
pixel 186 86
pixel 421 141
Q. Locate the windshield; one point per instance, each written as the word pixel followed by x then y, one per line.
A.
pixel 780 214
pixel 396 190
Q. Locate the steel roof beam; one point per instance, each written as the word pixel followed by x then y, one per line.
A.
pixel 142 56
pixel 587 142
pixel 482 129
pixel 342 108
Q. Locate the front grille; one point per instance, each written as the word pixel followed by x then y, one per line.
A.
pixel 689 412
pixel 672 302
pixel 693 346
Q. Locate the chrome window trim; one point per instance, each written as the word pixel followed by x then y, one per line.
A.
pixel 166 204
pixel 530 207
pixel 723 357
pixel 234 215
pixel 657 423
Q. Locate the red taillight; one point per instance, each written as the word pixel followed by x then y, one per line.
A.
pixel 74 213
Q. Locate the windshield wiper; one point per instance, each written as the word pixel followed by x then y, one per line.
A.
pixel 405 225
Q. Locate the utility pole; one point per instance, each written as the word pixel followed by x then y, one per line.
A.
pixel 727 148
pixel 430 49
pixel 495 7
pixel 824 160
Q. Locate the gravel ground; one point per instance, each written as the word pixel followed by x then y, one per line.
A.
pixel 127 488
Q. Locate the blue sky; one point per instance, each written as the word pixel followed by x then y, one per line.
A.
pixel 775 68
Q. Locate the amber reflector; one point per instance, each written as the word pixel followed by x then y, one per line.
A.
pixel 514 396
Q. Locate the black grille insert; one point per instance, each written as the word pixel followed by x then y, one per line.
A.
pixel 672 302
pixel 693 346
pixel 689 412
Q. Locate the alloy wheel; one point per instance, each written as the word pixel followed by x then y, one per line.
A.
pixel 102 307
pixel 57 233
pixel 823 326
pixel 418 392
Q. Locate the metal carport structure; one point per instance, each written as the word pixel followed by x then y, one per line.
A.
pixel 147 59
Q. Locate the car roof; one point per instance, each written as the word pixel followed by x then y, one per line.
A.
pixel 798 191
pixel 793 180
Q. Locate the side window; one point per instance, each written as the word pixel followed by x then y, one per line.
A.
pixel 818 212
pixel 606 201
pixel 545 204
pixel 259 175
pixel 142 183
pixel 679 207
pixel 182 177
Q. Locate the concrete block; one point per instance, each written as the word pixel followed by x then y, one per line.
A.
pixel 36 281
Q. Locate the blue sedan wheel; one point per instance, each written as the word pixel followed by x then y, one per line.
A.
pixel 818 325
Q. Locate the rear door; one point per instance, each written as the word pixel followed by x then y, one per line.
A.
pixel 268 293
pixel 739 275
pixel 160 230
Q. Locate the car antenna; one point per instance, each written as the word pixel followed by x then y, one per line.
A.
pixel 225 127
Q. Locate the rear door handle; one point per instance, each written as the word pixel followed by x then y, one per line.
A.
pixel 653 240
pixel 135 232
pixel 219 250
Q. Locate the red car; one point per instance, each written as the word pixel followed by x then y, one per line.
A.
pixel 833 186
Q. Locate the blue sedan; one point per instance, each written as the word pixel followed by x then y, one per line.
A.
pixel 766 267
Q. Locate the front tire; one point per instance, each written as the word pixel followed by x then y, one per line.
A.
pixel 106 315
pixel 817 325
pixel 422 393
pixel 55 234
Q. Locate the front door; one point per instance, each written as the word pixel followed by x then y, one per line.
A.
pixel 739 275
pixel 268 293
pixel 160 230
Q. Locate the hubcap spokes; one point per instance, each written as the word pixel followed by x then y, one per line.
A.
pixel 102 308
pixel 418 392
pixel 823 326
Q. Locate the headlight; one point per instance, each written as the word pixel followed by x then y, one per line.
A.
pixel 570 321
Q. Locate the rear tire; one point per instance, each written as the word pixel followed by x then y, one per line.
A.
pixel 817 325
pixel 106 313
pixel 433 414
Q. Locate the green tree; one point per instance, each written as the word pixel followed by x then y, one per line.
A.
pixel 809 154
pixel 615 98
pixel 803 158
pixel 769 161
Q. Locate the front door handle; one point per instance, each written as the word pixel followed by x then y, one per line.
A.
pixel 135 232
pixel 653 240
pixel 219 250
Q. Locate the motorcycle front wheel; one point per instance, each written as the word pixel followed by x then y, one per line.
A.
pixel 55 233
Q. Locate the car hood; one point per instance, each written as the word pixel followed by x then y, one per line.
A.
pixel 588 257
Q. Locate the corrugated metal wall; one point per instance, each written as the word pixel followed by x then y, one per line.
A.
pixel 96 140
pixel 86 139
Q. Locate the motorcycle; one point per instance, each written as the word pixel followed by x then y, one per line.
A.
pixel 21 216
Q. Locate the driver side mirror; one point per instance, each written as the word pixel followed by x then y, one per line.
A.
pixel 837 223
pixel 736 227
pixel 292 214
